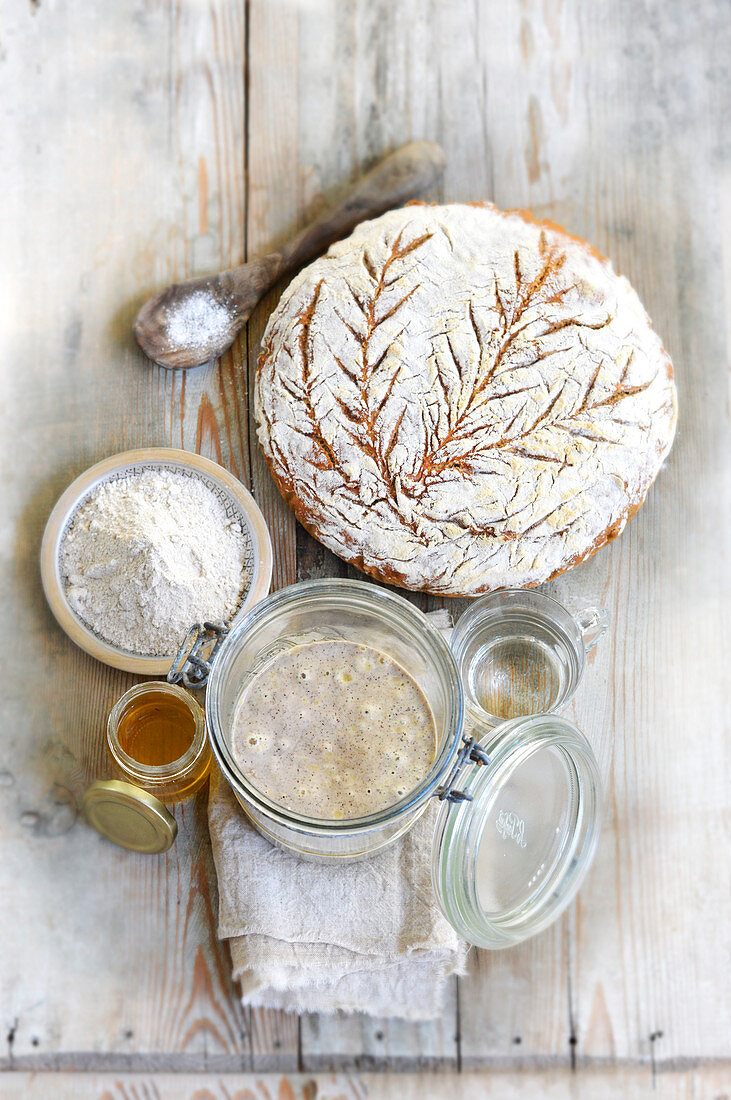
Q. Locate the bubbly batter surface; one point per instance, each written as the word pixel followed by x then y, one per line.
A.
pixel 334 730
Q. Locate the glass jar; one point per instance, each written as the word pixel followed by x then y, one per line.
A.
pixel 169 781
pixel 357 612
pixel 521 801
pixel 521 652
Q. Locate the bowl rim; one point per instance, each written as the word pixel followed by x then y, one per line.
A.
pixel 70 500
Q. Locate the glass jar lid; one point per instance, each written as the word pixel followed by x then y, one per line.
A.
pixel 510 857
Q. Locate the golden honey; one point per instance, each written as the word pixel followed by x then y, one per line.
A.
pixel 156 728
pixel 156 736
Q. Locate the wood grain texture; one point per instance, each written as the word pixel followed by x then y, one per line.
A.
pixel 185 138
pixel 272 215
pixel 104 953
pixel 620 1083
pixel 127 1086
pixel 403 175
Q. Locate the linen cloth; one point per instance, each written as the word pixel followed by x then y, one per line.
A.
pixel 311 937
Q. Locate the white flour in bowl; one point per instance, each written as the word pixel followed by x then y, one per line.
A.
pixel 149 554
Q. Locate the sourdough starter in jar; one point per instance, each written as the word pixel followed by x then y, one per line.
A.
pixel 333 730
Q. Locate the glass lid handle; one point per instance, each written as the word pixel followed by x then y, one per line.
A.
pixel 593 623
pixel 470 753
pixel 193 661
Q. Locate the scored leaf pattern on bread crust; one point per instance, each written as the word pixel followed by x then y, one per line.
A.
pixel 361 417
pixel 516 386
pixel 510 326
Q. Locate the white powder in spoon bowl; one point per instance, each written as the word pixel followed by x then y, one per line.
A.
pixel 147 555
pixel 197 322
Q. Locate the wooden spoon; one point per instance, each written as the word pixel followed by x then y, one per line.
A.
pixel 190 323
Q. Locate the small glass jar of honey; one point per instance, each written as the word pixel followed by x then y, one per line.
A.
pixel 157 737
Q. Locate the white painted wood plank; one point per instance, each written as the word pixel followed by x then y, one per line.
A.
pixel 607 1083
pixel 272 214
pixel 667 579
pixel 121 169
pixel 601 1083
pixel 177 1086
pixel 364 1043
pixel 628 168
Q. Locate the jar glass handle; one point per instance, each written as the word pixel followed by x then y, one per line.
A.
pixel 593 623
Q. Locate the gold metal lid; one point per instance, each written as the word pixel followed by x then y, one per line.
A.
pixel 129 816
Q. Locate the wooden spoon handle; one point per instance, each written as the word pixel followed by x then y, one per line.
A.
pixel 401 176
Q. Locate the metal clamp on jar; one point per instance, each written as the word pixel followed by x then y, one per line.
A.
pixel 520 812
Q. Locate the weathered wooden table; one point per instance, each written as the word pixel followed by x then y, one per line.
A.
pixel 148 141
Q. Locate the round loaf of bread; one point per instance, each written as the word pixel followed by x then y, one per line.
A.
pixel 457 399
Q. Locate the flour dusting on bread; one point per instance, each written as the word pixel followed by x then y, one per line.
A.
pixel 457 399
